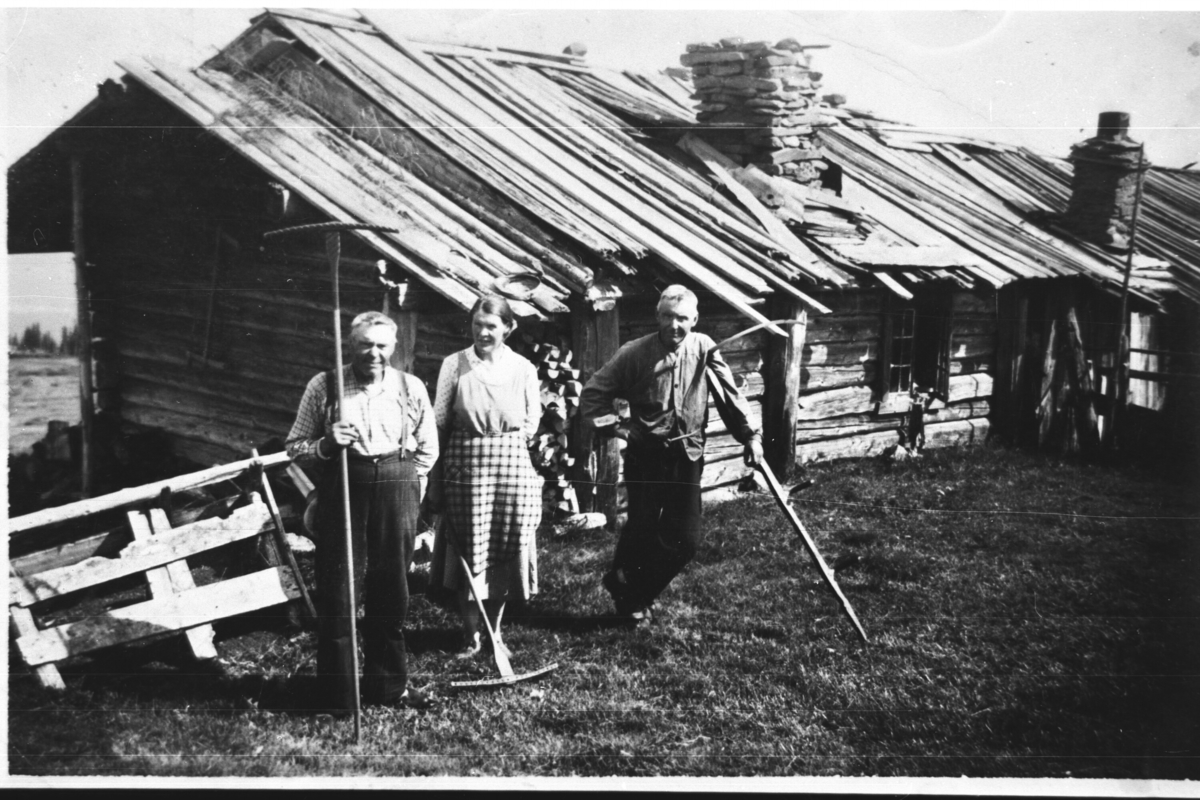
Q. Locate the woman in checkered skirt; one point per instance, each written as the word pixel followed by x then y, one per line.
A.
pixel 487 410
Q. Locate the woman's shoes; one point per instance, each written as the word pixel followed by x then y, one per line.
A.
pixel 416 699
pixel 472 647
pixel 475 644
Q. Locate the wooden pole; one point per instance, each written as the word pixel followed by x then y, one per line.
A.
pixel 282 542
pixel 84 322
pixel 781 404
pixel 138 494
pixel 826 572
pixel 333 251
pixel 595 339
pixel 1118 390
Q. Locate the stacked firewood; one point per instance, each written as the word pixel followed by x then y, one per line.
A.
pixel 561 388
pixel 757 99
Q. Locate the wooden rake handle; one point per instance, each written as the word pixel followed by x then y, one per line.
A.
pixel 502 663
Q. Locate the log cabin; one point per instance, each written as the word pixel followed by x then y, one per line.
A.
pixel 940 289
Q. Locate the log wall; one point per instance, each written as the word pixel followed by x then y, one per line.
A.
pixel 211 334
pixel 840 415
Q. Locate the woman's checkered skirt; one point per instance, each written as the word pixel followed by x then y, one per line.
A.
pixel 494 501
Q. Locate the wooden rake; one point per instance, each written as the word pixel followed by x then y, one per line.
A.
pixel 333 252
pixel 507 675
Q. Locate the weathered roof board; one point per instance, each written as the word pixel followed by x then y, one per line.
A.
pixel 999 204
pixel 543 134
pixel 520 161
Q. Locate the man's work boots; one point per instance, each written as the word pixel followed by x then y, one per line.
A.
pixel 635 614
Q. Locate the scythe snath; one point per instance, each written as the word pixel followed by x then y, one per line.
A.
pixel 781 498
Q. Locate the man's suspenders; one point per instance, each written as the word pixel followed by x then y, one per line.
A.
pixel 331 403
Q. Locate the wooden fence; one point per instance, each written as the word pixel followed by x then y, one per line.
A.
pixel 158 552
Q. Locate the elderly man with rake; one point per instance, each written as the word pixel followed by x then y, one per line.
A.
pixel 386 427
pixel 664 378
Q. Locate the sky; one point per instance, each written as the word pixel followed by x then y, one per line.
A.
pixel 1030 77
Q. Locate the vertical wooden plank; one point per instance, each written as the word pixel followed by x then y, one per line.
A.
pixel 583 348
pixel 406 336
pixel 1005 395
pixel 884 377
pixel 782 391
pixel 1046 404
pixel 1020 344
pixel 1012 390
pixel 1089 435
pixel 84 322
pixel 944 318
pixel 1022 410
pixel 171 579
pixel 22 621
pixel 595 339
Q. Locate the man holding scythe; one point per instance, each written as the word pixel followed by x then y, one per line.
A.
pixel 387 428
pixel 664 378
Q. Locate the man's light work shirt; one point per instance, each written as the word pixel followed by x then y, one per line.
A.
pixel 377 411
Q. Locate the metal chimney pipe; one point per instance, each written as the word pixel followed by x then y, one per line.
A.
pixel 1113 125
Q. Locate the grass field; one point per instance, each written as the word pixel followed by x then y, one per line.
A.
pixel 40 390
pixel 1029 617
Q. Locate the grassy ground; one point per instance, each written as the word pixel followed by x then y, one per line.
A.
pixel 40 389
pixel 1028 618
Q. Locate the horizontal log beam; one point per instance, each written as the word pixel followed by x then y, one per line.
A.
pixel 969 387
pixel 725 469
pixel 854 426
pixel 832 377
pixel 861 446
pixel 957 433
pixel 139 494
pixel 836 402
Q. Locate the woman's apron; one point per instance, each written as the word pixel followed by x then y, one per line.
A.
pixel 493 493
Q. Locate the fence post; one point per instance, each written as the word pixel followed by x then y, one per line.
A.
pixel 782 391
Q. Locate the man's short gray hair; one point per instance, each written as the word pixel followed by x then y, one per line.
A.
pixel 675 293
pixel 369 319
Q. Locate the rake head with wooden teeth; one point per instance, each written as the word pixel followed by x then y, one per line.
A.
pixel 503 680
pixel 507 675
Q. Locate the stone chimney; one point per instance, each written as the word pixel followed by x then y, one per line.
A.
pixel 756 104
pixel 1105 183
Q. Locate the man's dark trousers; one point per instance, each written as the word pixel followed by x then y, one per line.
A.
pixel 384 500
pixel 664 525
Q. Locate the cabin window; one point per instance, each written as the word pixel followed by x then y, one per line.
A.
pixel 915 352
pixel 900 367
pixel 1147 362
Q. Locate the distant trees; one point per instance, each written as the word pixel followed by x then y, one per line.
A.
pixel 68 345
pixel 31 339
pixel 35 340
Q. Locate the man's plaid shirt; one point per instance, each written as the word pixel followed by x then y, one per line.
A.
pixel 377 413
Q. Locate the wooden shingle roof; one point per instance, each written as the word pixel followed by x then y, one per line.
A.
pixel 512 161
pixel 972 209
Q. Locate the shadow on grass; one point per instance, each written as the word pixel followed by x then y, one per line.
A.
pixel 546 620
